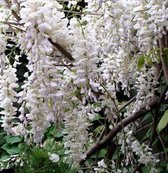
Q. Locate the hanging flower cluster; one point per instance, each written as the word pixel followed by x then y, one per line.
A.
pixel 77 66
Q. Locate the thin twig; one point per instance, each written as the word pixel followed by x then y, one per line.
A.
pixel 137 168
pixel 143 127
pixel 89 167
pixel 12 23
pixel 163 145
pixel 155 115
pixel 126 104
pixel 163 57
pixel 101 134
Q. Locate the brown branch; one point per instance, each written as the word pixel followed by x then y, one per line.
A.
pixel 61 49
pixel 17 17
pixel 137 168
pixel 104 142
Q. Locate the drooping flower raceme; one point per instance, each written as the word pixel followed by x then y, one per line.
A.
pixel 105 43
pixel 8 97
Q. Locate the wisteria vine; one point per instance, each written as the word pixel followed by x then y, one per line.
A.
pixel 76 68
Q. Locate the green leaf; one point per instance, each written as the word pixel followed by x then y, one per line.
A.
pixel 22 146
pixel 13 150
pixel 59 134
pixel 141 62
pixel 99 129
pixel 10 149
pixel 148 60
pixel 13 140
pixel 2 133
pixel 52 131
pixel 98 117
pixel 145 169
pixel 2 141
pixel 61 152
pixel 163 122
pixel 101 154
pixel 4 157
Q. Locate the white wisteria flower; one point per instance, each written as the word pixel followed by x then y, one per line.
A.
pixel 54 157
pixel 105 43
